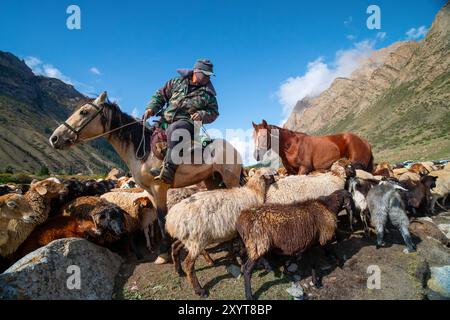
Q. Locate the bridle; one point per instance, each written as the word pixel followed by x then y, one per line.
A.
pixel 89 120
pixel 100 112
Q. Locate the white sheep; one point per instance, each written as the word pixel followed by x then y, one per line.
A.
pixel 442 189
pixel 38 198
pixel 210 217
pixel 301 188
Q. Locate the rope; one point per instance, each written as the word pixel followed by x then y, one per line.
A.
pixel 142 142
pixel 110 131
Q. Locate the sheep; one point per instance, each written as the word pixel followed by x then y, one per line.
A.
pixel 126 183
pixel 383 169
pixel 209 217
pixel 137 215
pixel 384 201
pixel 359 188
pixel 419 168
pixel 300 187
pixel 399 171
pixel 140 210
pixel 441 190
pixel 38 198
pixel 102 227
pixel 13 206
pixel 289 228
pixel 9 188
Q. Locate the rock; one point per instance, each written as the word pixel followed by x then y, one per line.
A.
pixel 422 272
pixel 234 270
pixel 45 274
pixel 423 228
pixel 293 267
pixel 439 283
pixel 445 228
pixel 296 291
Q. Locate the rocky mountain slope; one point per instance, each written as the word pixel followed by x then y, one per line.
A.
pixel 399 99
pixel 30 109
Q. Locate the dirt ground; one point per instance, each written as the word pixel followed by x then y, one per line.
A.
pixel 403 276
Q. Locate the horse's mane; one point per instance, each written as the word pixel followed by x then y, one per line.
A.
pixel 131 134
pixel 272 127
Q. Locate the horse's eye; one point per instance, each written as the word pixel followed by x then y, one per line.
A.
pixel 83 112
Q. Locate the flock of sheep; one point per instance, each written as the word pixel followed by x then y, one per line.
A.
pixel 271 212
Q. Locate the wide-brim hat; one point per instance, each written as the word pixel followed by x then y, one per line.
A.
pixel 204 66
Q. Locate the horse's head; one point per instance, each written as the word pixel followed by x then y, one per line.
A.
pixel 261 138
pixel 86 122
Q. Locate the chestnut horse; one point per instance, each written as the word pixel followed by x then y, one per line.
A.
pixel 302 153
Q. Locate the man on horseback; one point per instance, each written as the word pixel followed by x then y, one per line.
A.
pixel 188 98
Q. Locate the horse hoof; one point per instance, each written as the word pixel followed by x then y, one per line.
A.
pixel 162 259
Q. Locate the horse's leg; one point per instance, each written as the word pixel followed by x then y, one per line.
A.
pixel 160 193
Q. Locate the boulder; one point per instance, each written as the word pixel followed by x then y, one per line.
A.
pixel 439 283
pixel 65 269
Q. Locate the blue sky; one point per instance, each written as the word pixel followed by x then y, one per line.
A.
pixel 256 46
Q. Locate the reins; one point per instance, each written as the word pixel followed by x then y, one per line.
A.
pixel 98 112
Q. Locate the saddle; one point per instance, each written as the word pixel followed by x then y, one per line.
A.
pixel 158 142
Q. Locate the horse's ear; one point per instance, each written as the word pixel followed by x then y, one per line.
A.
pixel 264 123
pixel 101 98
pixel 254 125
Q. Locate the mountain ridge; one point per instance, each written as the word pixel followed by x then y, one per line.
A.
pixel 400 104
pixel 31 107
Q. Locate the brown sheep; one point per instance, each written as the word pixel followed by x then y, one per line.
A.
pixel 383 169
pixel 289 228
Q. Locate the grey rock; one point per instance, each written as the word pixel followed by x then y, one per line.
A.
pixel 445 228
pixel 46 274
pixel 296 291
pixel 439 283
pixel 234 270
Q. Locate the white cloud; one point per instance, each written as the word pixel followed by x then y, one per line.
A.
pixel 32 62
pixel 414 34
pixel 320 75
pixel 350 37
pixel 135 113
pixel 44 69
pixel 95 71
pixel 48 70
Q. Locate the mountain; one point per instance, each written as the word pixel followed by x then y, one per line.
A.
pixel 31 107
pixel 398 99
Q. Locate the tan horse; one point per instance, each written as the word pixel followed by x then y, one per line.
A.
pixel 99 117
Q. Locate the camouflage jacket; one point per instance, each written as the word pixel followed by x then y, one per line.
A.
pixel 184 98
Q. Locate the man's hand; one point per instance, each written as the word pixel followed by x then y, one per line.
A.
pixel 196 117
pixel 147 114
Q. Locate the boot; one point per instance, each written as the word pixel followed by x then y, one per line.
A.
pixel 167 170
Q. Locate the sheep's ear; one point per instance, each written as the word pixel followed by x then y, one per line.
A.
pixel 142 202
pixel 34 181
pixel 101 98
pixel 12 204
pixel 41 190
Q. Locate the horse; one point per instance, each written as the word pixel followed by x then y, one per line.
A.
pixel 99 117
pixel 301 153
